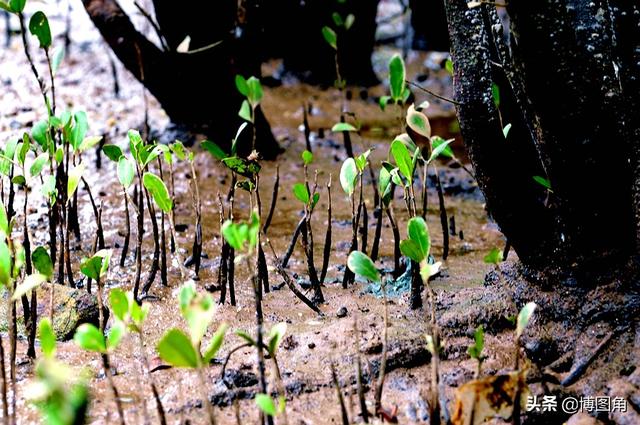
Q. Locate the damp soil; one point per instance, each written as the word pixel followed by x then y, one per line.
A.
pixel 312 341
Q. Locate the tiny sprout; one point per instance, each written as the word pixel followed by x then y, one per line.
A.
pixel 524 317
pixel 494 257
pixel 266 404
pixel 330 37
pixel 307 157
pixel 544 182
pixel 343 126
pixel 475 350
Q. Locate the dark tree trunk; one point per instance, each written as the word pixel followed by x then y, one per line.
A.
pixel 195 89
pixel 569 80
pixel 296 28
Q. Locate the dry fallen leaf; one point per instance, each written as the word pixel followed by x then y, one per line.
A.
pixel 482 399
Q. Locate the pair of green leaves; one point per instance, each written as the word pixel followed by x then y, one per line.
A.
pixel 90 338
pixel 252 90
pixel 96 266
pixel 42 262
pixel 275 336
pixel 268 406
pixel 176 348
pixel 301 192
pixel 242 236
pixel 346 23
pixel 417 247
pixel 399 93
pixel 127 310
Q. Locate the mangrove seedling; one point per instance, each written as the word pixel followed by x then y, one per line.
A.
pixel 475 351
pixel 360 264
pixel 95 268
pixel 127 310
pixel 251 89
pixel 59 393
pixel 268 406
pixel 417 248
pixel 524 317
pixel 181 350
pixel 90 338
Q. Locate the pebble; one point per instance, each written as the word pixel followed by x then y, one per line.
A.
pixel 342 312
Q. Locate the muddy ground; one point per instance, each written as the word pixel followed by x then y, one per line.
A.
pixel 464 298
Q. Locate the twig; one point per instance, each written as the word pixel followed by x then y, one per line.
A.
pixel 437 96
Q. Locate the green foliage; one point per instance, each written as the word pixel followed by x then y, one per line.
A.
pixel 175 348
pixel 88 337
pixel 244 167
pixel 216 342
pixel 214 150
pixel 119 303
pixel 440 147
pixel 197 310
pixel 361 160
pixel 360 264
pixel 494 256
pixel 543 182
pixel 240 234
pixel 42 261
pixel 418 122
pixel 4 221
pixel 448 65
pixel 39 26
pixel 475 350
pixel 38 165
pixel 495 93
pixel 30 282
pixel 524 317
pixel 301 192
pixel 403 159
pixel 158 191
pixel 343 126
pixel 348 176
pixel 384 185
pixel 97 265
pixel 397 78
pixel 276 334
pixel 126 171
pixel 330 37
pixel 47 338
pixel 112 152
pixel 245 111
pixel 5 263
pixel 74 177
pixel 307 157
pixel 267 406
pixel 506 129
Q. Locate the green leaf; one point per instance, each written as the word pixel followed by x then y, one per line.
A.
pixel 255 91
pixel 343 126
pixel 383 101
pixel 361 160
pixel 75 174
pixel 232 234
pixel 158 190
pixel 403 159
pixel 117 331
pixel 418 232
pixel 441 146
pixel 91 267
pixel 5 6
pixel 88 337
pixel 79 129
pixel 38 165
pixel 113 152
pixel 506 130
pixel 384 185
pixel 275 337
pixel 301 192
pixel 17 6
pixel 119 303
pixel 214 150
pixel 138 313
pixel 418 122
pixel 244 167
pixel 495 93
pixel 179 150
pixel 245 335
pixel 543 182
pixel 396 77
pixel 330 37
pixel 245 111
pixel 42 261
pixel 242 86
pixel 39 26
pixel 475 350
pixel 49 189
pixel 175 348
pixel 126 171
pixel 359 263
pixel 307 157
pixel 348 22
pixel 266 405
pixel 5 263
pixel 448 65
pixel 19 180
pixel 47 338
pixel 30 282
pixel 39 132
pixel 216 342
pixel 58 57
pixel 348 175
pixel 524 317
pixel 411 249
pixel 337 19
pixel 89 142
pixel 493 257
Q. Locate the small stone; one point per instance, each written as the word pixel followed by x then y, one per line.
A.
pixel 311 345
pixel 342 312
